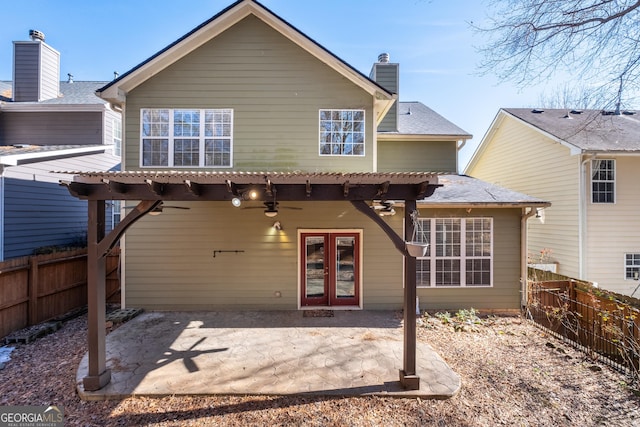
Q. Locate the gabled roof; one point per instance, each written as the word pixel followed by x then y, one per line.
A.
pixel 465 191
pixel 587 130
pixel 116 90
pixel 415 118
pixel 79 95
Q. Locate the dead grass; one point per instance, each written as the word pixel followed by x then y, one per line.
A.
pixel 512 372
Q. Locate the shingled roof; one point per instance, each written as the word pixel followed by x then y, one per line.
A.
pixel 76 93
pixel 587 130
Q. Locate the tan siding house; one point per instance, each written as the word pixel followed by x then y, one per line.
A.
pixel 248 96
pixel 557 155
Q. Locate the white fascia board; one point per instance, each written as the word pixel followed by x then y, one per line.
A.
pixel 15 159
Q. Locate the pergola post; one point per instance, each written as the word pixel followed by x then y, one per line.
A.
pixel 98 375
pixel 408 376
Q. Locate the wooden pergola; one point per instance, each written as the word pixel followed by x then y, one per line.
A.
pixel 151 189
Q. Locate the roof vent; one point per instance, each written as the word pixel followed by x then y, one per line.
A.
pixel 383 58
pixel 536 111
pixel 70 78
pixel 575 112
pixel 628 113
pixel 36 35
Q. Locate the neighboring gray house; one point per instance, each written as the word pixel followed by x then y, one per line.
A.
pixel 46 126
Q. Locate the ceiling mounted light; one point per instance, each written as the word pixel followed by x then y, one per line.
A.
pixel 236 201
pixel 272 209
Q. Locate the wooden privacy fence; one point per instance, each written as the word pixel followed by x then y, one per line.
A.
pixel 594 321
pixel 37 288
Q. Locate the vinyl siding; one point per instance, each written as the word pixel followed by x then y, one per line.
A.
pixel 522 159
pixel 180 271
pixel 387 76
pixel 38 211
pixel 614 229
pixel 416 156
pixel 51 128
pixel 275 89
pixel 36 72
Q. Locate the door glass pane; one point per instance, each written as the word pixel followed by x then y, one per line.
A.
pixel 345 277
pixel 315 267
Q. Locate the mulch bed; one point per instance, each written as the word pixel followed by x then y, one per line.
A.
pixel 510 377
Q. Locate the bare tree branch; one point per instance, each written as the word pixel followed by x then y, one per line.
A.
pixel 596 42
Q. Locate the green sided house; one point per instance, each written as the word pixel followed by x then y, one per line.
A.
pixel 287 180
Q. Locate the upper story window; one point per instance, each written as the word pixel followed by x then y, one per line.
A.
pixel 117 137
pixel 460 252
pixel 603 179
pixel 342 132
pixel 186 137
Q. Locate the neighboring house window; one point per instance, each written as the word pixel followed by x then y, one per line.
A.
pixel 631 266
pixel 459 254
pixel 603 178
pixel 342 132
pixel 117 137
pixel 187 137
pixel 116 208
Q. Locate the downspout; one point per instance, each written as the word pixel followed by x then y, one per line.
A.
pixel 523 254
pixel 582 216
pixel 459 145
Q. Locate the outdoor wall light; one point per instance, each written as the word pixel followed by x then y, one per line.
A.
pixel 277 225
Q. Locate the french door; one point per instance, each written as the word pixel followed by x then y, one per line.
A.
pixel 330 269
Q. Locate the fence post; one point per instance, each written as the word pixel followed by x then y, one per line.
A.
pixel 32 311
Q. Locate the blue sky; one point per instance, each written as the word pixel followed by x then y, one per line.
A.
pixel 430 39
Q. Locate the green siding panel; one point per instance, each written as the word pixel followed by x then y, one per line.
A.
pixel 181 273
pixel 276 90
pixel 417 156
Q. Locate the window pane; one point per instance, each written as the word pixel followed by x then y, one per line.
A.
pixel 186 152
pixel 217 152
pixel 423 272
pixel 155 122
pixel 447 272
pixel 478 272
pixel 155 152
pixel 448 237
pixel 632 266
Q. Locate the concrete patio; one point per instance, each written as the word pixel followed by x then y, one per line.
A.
pixel 353 353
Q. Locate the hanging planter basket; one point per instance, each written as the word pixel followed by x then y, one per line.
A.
pixel 416 248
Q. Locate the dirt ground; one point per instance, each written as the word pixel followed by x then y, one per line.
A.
pixel 512 374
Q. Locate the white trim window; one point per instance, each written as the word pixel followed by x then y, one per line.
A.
pixel 603 181
pixel 342 132
pixel 460 254
pixel 632 266
pixel 117 137
pixel 186 138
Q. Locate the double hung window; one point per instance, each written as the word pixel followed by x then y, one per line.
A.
pixel 603 179
pixel 187 137
pixel 460 252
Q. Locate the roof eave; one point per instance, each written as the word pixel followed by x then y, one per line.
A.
pixel 25 108
pixel 18 159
